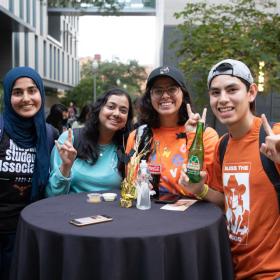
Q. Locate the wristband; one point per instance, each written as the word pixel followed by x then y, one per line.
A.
pixel 203 193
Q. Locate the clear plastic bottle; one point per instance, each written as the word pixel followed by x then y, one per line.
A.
pixel 143 190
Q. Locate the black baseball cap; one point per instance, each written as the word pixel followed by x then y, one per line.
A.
pixel 167 71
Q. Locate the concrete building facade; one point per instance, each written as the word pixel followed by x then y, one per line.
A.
pixel 30 36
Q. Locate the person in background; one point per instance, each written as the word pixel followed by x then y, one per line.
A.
pixel 95 164
pixel 24 154
pixel 164 111
pixel 58 117
pixel 72 113
pixel 136 110
pixel 83 117
pixel 240 181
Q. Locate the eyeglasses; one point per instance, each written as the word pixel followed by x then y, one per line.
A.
pixel 158 92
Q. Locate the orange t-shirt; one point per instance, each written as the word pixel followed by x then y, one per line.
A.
pixel 172 152
pixel 252 209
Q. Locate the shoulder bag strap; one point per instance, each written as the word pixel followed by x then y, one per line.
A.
pixel 223 147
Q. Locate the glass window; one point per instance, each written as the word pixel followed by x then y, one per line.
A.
pixel 58 64
pixel 73 71
pixel 51 61
pixel 71 42
pixel 54 62
pixel 45 58
pixel 63 67
pixel 36 52
pixel 28 11
pixel 26 49
pixel 16 49
pixel 21 9
pixel 77 71
pixel 34 12
pixel 41 18
pixel 11 6
pixel 68 69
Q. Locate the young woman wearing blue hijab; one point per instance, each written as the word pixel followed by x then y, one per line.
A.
pixel 24 141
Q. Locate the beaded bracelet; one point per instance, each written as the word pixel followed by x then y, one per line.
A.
pixel 203 193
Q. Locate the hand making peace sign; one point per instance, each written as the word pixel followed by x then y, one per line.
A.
pixel 194 118
pixel 67 154
pixel 271 147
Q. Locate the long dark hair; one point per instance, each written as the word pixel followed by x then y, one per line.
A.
pixel 84 113
pixel 88 144
pixel 150 116
pixel 55 117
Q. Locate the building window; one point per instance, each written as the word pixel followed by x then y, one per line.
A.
pixel 71 41
pixel 77 71
pixel 73 72
pixel 63 67
pixel 41 18
pixel 36 52
pixel 26 49
pixel 28 11
pixel 16 49
pixel 75 45
pixel 21 9
pixel 45 58
pixel 58 64
pixel 68 69
pixel 54 62
pixel 11 6
pixel 34 7
pixel 65 37
pixel 51 62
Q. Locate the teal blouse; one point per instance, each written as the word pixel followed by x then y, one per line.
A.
pixel 100 177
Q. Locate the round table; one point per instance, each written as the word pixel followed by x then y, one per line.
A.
pixel 150 244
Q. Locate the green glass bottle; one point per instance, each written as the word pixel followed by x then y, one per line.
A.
pixel 196 155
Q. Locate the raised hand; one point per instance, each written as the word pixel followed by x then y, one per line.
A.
pixel 194 118
pixel 271 147
pixel 67 154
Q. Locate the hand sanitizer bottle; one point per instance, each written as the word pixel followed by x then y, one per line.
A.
pixel 143 190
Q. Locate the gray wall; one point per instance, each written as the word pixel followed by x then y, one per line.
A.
pixel 269 105
pixel 170 34
pixel 5 51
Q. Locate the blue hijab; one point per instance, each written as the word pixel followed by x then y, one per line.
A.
pixel 28 132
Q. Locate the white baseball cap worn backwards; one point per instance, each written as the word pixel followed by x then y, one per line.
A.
pixel 230 67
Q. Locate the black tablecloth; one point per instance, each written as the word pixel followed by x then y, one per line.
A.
pixel 150 244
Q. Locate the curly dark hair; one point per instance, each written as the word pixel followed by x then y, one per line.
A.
pixel 89 135
pixel 150 116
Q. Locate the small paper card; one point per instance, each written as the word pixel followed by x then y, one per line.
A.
pixel 180 205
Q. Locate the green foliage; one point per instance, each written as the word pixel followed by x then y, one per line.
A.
pixel 240 29
pixel 108 75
